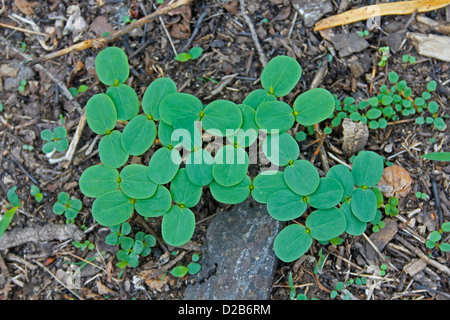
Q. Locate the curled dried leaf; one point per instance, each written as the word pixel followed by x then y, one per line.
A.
pixel 395 182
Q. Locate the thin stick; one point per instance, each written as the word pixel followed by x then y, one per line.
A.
pixel 102 41
pixel 378 252
pixel 23 30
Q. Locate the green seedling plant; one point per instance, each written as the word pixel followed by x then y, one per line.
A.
pixel 192 268
pixel 83 245
pixel 56 140
pixel 74 91
pixel 385 53
pixel 437 156
pixel 118 233
pixel 435 237
pixel 22 85
pixel 14 205
pixel 69 206
pixel 391 104
pixel 363 33
pixel 27 147
pixel 192 54
pixel 406 58
pixel 36 193
pixel 421 195
pixel 167 189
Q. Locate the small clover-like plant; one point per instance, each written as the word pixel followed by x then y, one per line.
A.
pixel 421 195
pixel 192 268
pixel 68 206
pixel 74 91
pixel 433 240
pixel 192 54
pixel 56 140
pixel 118 233
pixel 129 252
pixel 22 85
pixel 408 58
pixel 384 51
pixel 363 33
pixel 83 245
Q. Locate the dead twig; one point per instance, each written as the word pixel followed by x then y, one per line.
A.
pixel 102 41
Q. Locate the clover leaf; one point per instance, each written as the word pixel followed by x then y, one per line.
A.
pixel 56 140
pixel 111 65
pixel 178 226
pixel 156 205
pixel 138 135
pixel 231 195
pixel 281 75
pixel 222 118
pixel 101 114
pixel 111 151
pixel 302 177
pixel 230 165
pixel 112 208
pixel 281 149
pixel 258 96
pixel 164 165
pixel 98 180
pixel 292 242
pixel 154 94
pixel 275 115
pixel 183 191
pixel 313 106
pixel 286 205
pixel 125 101
pixel 267 183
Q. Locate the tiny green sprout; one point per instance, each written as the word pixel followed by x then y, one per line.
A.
pixel 437 156
pixel 406 58
pixel 383 269
pixel 36 193
pixel 74 91
pixel 56 140
pixel 14 201
pixel 68 206
pixel 193 54
pixel 435 236
pixel 23 46
pixel 1 107
pixel 118 233
pixel 129 252
pixel 421 195
pixel 363 33
pixel 384 55
pixel 22 85
pixel 179 271
pixel 83 245
pixel 27 147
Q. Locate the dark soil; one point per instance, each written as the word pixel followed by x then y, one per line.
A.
pixel 29 271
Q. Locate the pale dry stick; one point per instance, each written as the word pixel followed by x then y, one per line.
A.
pixel 59 281
pixel 262 57
pixel 423 256
pixel 23 30
pixel 167 33
pixel 378 252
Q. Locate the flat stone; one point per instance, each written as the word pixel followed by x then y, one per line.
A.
pixel 381 238
pixel 414 267
pixel 238 261
pixel 348 43
pixel 431 45
pixel 312 10
pixel 24 73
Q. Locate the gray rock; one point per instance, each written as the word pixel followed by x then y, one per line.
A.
pixel 312 10
pixel 348 43
pixel 25 73
pixel 238 261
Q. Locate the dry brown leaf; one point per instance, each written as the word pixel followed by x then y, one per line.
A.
pixel 104 290
pixel 395 182
pixel 25 7
pixel 382 9
pixel 156 283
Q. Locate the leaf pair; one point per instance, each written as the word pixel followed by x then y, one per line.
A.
pixel 56 140
pixel 67 206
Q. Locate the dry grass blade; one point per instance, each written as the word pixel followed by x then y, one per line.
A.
pixel 100 42
pixel 382 9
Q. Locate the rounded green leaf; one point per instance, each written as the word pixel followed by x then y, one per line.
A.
pixel 183 57
pixel 101 114
pixel 179 105
pixel 187 131
pixel 110 150
pixel 281 149
pixel 111 65
pixel 97 180
pixel 125 100
pixel 342 174
pixel 183 191
pixel 267 183
pixel 258 96
pixel 155 93
pixel 138 135
pixel 437 156
pixel 367 169
pixel 313 106
pixel 248 133
pixel 373 114
pixel 48 147
pixel 354 226
pixel 59 133
pixel 230 165
pixel 47 135
pixel 196 52
pixel 364 204
pixel 58 208
pixel 61 145
pixel 179 271
pixel 156 205
pixel 327 195
pixel 281 75
pixel 135 182
pixel 231 195
pixel 222 117
pixel 292 242
pixel 302 177
pixel 275 115
pixel 286 205
pixel 164 165
pixel 326 224
pixel 178 226
pixel 194 268
pixel 199 167
pixel 165 132
pixel 112 208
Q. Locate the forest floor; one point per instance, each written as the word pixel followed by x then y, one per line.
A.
pixel 230 67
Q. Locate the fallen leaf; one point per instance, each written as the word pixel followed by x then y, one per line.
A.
pixel 104 290
pixel 395 182
pixel 156 283
pixel 25 7
pixel 377 10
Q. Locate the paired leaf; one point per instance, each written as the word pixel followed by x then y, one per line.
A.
pixel 248 133
pixel 327 195
pixel 155 93
pixel 97 180
pixel 125 100
pixel 302 177
pixel 112 208
pixel 313 106
pixel 230 165
pixel 231 195
pixel 281 149
pixel 180 105
pixel 101 114
pixel 135 182
pixel 367 169
pixel 342 174
pixel 111 151
pixel 275 115
pixel 199 167
pixel 267 183
pixel 292 242
pixel 138 135
pixel 326 224
pixel 155 206
pixel 178 226
pixel 258 96
pixel 183 191
pixel 222 118
pixel 164 165
pixel 354 226
pixel 280 75
pixel 364 204
pixel 111 65
pixel 286 205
